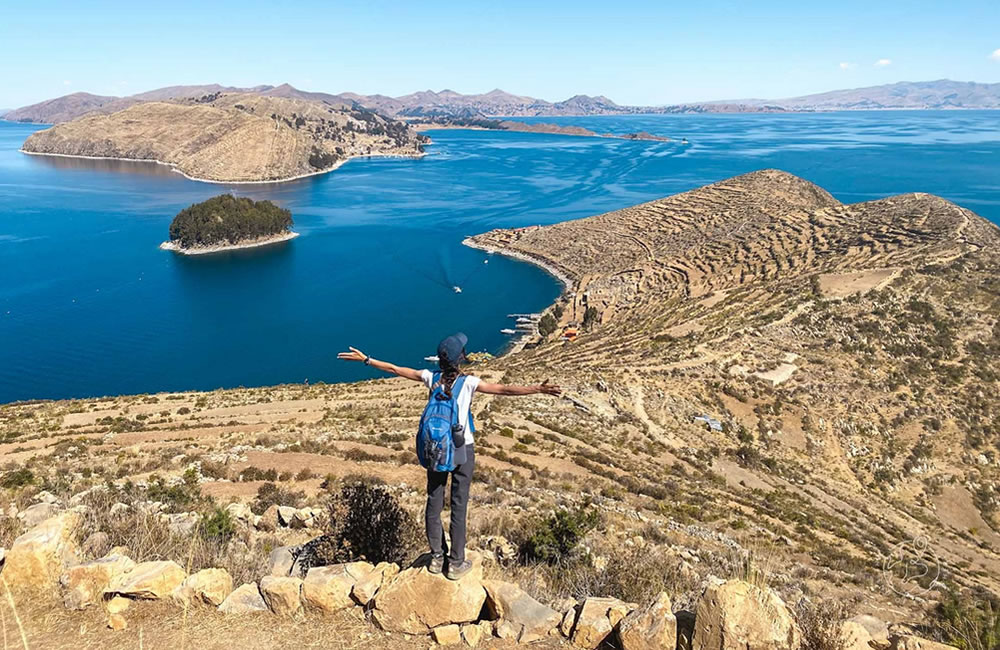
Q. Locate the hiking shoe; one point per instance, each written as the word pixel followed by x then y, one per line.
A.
pixel 436 565
pixel 456 571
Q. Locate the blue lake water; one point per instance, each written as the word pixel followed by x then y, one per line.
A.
pixel 90 306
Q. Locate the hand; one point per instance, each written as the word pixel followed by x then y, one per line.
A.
pixel 354 355
pixel 549 389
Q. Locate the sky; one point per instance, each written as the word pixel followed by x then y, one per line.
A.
pixel 635 52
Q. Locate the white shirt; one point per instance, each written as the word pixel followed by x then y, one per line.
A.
pixel 464 400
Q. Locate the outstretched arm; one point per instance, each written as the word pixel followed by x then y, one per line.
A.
pixel 402 371
pixel 507 389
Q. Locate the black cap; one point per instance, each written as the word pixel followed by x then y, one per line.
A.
pixel 451 351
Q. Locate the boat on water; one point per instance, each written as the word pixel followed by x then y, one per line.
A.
pixel 433 358
pixel 508 330
pixel 525 319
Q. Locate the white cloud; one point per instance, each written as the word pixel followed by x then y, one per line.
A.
pixel 846 66
pixel 66 83
pixel 883 62
pixel 996 55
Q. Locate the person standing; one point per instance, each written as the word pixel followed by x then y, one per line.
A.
pixel 459 387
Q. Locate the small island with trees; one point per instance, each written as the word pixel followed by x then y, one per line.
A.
pixel 226 222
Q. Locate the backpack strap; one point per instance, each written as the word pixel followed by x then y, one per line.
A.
pixel 456 390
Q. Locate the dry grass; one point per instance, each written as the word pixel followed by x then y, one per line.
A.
pixel 147 537
pixel 155 626
pixel 821 624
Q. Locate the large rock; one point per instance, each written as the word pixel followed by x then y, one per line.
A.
pixel 907 642
pixel 84 584
pixel 269 519
pixel 283 595
pixel 240 512
pixel 736 615
pixel 97 544
pixel 181 523
pixel 147 580
pixel 854 636
pixel 532 619
pixel 208 587
pixel 286 515
pixel 650 628
pixel 366 588
pixel 447 634
pixel 417 601
pixel 38 513
pixel 875 627
pixel 283 563
pixel 329 587
pixel 473 633
pixel 245 599
pixel 596 619
pixel 37 558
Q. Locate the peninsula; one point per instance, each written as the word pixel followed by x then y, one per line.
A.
pixel 482 124
pixel 233 137
pixel 226 222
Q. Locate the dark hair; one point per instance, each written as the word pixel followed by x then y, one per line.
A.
pixel 449 373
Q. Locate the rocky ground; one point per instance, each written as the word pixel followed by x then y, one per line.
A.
pixel 770 391
pixel 234 137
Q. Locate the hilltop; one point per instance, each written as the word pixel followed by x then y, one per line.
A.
pixel 941 94
pixel 767 383
pixel 232 137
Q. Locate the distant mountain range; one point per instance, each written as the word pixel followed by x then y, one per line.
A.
pixel 941 94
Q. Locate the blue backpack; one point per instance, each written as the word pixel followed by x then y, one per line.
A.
pixel 441 437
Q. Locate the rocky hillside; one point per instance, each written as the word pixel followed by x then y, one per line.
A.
pixel 67 107
pixel 228 137
pixel 769 390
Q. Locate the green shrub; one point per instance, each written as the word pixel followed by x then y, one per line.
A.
pixel 547 325
pixel 217 525
pixel 970 623
pixel 554 539
pixel 178 496
pixel 270 494
pixel 17 478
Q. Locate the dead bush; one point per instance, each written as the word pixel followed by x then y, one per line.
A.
pixel 820 622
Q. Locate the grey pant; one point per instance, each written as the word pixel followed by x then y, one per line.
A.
pixel 461 479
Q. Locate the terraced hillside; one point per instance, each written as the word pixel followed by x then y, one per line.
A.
pixel 848 350
pixel 847 354
pixel 232 137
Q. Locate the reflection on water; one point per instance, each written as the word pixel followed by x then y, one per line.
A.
pixel 103 165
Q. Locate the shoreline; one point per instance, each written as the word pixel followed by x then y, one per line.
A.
pixel 545 265
pixel 174 168
pixel 206 250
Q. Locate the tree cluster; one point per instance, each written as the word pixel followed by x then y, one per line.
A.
pixel 226 219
